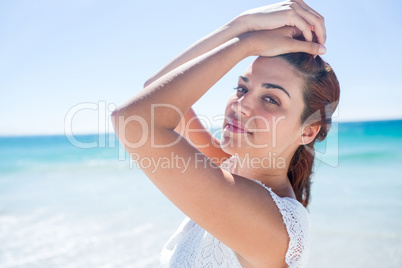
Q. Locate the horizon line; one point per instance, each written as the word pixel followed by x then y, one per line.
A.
pixel 213 127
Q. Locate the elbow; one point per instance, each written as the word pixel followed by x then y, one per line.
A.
pixel 114 118
pixel 118 117
pixel 115 113
pixel 130 127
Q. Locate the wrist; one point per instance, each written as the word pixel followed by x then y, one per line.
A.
pixel 239 25
pixel 250 43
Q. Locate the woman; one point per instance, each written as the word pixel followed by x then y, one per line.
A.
pixel 241 211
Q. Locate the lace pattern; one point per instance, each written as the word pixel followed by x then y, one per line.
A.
pixel 297 224
pixel 191 246
pixel 296 219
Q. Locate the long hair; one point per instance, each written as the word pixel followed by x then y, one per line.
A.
pixel 321 96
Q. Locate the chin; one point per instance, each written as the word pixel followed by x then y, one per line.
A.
pixel 235 151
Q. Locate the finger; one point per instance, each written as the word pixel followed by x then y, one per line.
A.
pixel 305 46
pixel 302 25
pixel 322 32
pixel 307 7
pixel 313 20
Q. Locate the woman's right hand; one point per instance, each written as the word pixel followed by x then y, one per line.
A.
pixel 275 42
pixel 288 13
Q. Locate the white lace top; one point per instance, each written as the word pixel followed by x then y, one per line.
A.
pixel 191 246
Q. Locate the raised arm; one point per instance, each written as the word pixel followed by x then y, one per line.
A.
pixel 190 126
pixel 297 13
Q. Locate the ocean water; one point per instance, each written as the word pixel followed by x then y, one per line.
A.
pixel 82 203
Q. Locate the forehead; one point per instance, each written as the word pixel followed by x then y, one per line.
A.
pixel 276 71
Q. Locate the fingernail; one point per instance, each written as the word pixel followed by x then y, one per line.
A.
pixel 322 49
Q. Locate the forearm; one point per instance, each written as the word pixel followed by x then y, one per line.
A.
pixel 225 33
pixel 264 18
pixel 200 137
pixel 182 87
pixel 186 123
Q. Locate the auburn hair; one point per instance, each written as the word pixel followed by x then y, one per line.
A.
pixel 321 93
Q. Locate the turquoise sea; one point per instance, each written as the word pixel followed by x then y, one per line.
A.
pixel 62 205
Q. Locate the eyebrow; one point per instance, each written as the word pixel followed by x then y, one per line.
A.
pixel 266 85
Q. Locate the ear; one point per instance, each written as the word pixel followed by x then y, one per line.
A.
pixel 309 133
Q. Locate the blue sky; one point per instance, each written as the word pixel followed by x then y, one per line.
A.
pixel 61 57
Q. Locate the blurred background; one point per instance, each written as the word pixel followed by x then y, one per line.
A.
pixel 69 195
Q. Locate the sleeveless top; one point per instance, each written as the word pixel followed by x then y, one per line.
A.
pixel 193 247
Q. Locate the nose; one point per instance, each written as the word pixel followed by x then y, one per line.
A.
pixel 241 107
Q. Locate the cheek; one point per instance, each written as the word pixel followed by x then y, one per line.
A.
pixel 267 118
pixel 286 131
pixel 275 130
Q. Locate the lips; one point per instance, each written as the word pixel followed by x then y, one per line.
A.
pixel 236 126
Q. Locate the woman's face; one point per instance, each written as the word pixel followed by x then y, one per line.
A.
pixel 263 116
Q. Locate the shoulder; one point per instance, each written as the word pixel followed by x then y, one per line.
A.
pixel 290 208
pixel 298 226
pixel 293 224
pixel 297 221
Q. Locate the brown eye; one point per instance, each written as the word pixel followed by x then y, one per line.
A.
pixel 241 89
pixel 271 100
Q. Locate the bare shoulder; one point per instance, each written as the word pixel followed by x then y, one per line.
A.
pixel 273 241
